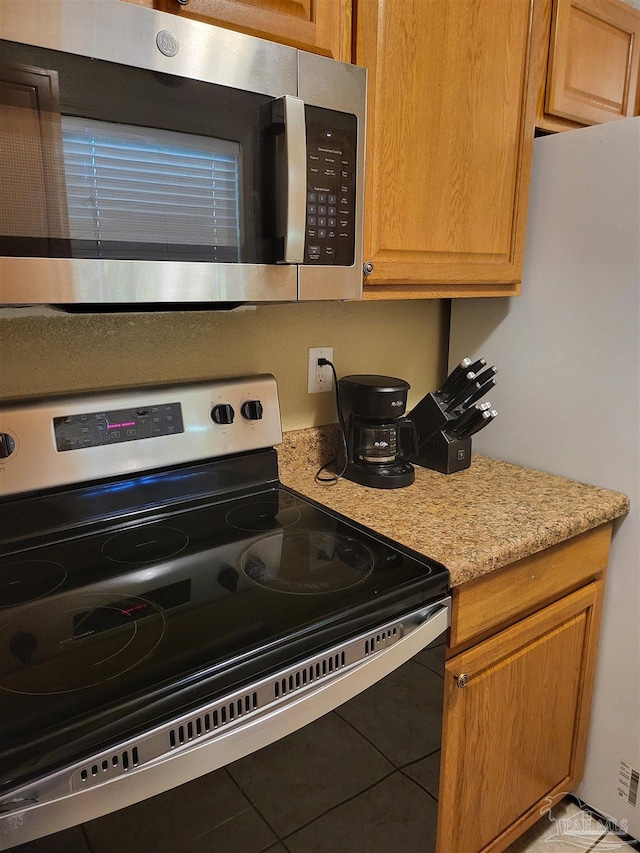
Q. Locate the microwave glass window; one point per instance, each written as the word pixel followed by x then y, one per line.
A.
pixel 182 186
pixel 101 160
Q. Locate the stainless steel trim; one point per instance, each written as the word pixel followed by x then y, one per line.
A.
pixel 64 280
pixel 336 86
pixel 295 134
pixel 63 802
pixel 37 464
pixel 126 33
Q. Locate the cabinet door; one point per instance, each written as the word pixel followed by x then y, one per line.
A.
pixel 515 732
pixel 321 26
pixel 593 60
pixel 450 132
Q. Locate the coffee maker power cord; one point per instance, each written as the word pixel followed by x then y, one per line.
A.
pixel 333 478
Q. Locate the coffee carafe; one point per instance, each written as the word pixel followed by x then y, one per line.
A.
pixel 379 439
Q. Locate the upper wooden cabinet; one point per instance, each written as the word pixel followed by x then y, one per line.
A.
pixel 321 26
pixel 451 114
pixel 592 71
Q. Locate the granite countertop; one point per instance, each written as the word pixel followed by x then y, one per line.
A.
pixel 477 520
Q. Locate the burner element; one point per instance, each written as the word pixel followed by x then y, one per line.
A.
pixel 307 563
pixel 26 580
pixel 77 641
pixel 145 544
pixel 259 516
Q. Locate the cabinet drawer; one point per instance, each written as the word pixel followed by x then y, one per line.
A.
pixel 499 598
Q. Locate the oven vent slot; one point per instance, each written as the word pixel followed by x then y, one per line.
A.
pixel 213 719
pixel 113 765
pixel 308 674
pixel 380 641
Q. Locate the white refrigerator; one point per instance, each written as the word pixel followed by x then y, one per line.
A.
pixel 568 395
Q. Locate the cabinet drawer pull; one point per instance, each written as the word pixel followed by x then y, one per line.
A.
pixel 461 680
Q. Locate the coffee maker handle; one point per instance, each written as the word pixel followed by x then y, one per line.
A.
pixel 407 428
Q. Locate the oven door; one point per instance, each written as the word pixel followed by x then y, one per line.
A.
pixel 150 159
pixel 235 725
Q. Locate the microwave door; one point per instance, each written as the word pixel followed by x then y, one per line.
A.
pixel 143 187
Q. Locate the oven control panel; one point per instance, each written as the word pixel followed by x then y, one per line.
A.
pixel 132 431
pixel 94 429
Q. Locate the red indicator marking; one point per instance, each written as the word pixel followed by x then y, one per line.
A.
pixel 129 610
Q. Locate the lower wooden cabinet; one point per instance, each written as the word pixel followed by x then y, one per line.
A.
pixel 516 717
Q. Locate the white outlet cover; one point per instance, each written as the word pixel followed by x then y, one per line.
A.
pixel 320 379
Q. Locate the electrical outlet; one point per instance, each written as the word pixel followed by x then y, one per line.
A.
pixel 320 378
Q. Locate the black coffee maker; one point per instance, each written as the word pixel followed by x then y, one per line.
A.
pixel 379 439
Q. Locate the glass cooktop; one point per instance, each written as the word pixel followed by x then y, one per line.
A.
pixel 151 616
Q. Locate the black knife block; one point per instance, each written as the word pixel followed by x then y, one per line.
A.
pixel 436 450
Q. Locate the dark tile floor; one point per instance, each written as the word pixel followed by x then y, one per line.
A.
pixel 362 779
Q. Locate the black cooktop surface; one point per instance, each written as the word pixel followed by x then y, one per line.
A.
pixel 151 616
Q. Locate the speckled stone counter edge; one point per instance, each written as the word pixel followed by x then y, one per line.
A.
pixel 478 520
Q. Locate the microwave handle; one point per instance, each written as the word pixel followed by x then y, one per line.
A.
pixel 295 143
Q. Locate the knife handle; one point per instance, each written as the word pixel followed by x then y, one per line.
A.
pixel 456 387
pixel 453 427
pixel 462 396
pixel 485 422
pixel 453 377
pixel 481 391
pixel 478 365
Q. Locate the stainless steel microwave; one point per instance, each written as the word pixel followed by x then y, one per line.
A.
pixel 147 158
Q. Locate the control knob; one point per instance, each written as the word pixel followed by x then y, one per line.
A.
pixel 7 445
pixel 222 414
pixel 252 410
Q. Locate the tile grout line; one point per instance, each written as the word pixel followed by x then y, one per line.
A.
pixel 338 805
pixel 257 811
pixel 415 782
pixel 593 846
pixel 85 835
pixel 399 767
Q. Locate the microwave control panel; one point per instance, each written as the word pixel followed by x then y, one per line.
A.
pixel 331 187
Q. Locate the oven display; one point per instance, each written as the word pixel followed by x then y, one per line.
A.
pixel 95 429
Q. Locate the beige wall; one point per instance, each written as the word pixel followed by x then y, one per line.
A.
pixel 46 351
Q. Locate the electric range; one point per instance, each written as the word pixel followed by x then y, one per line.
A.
pixel 167 605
